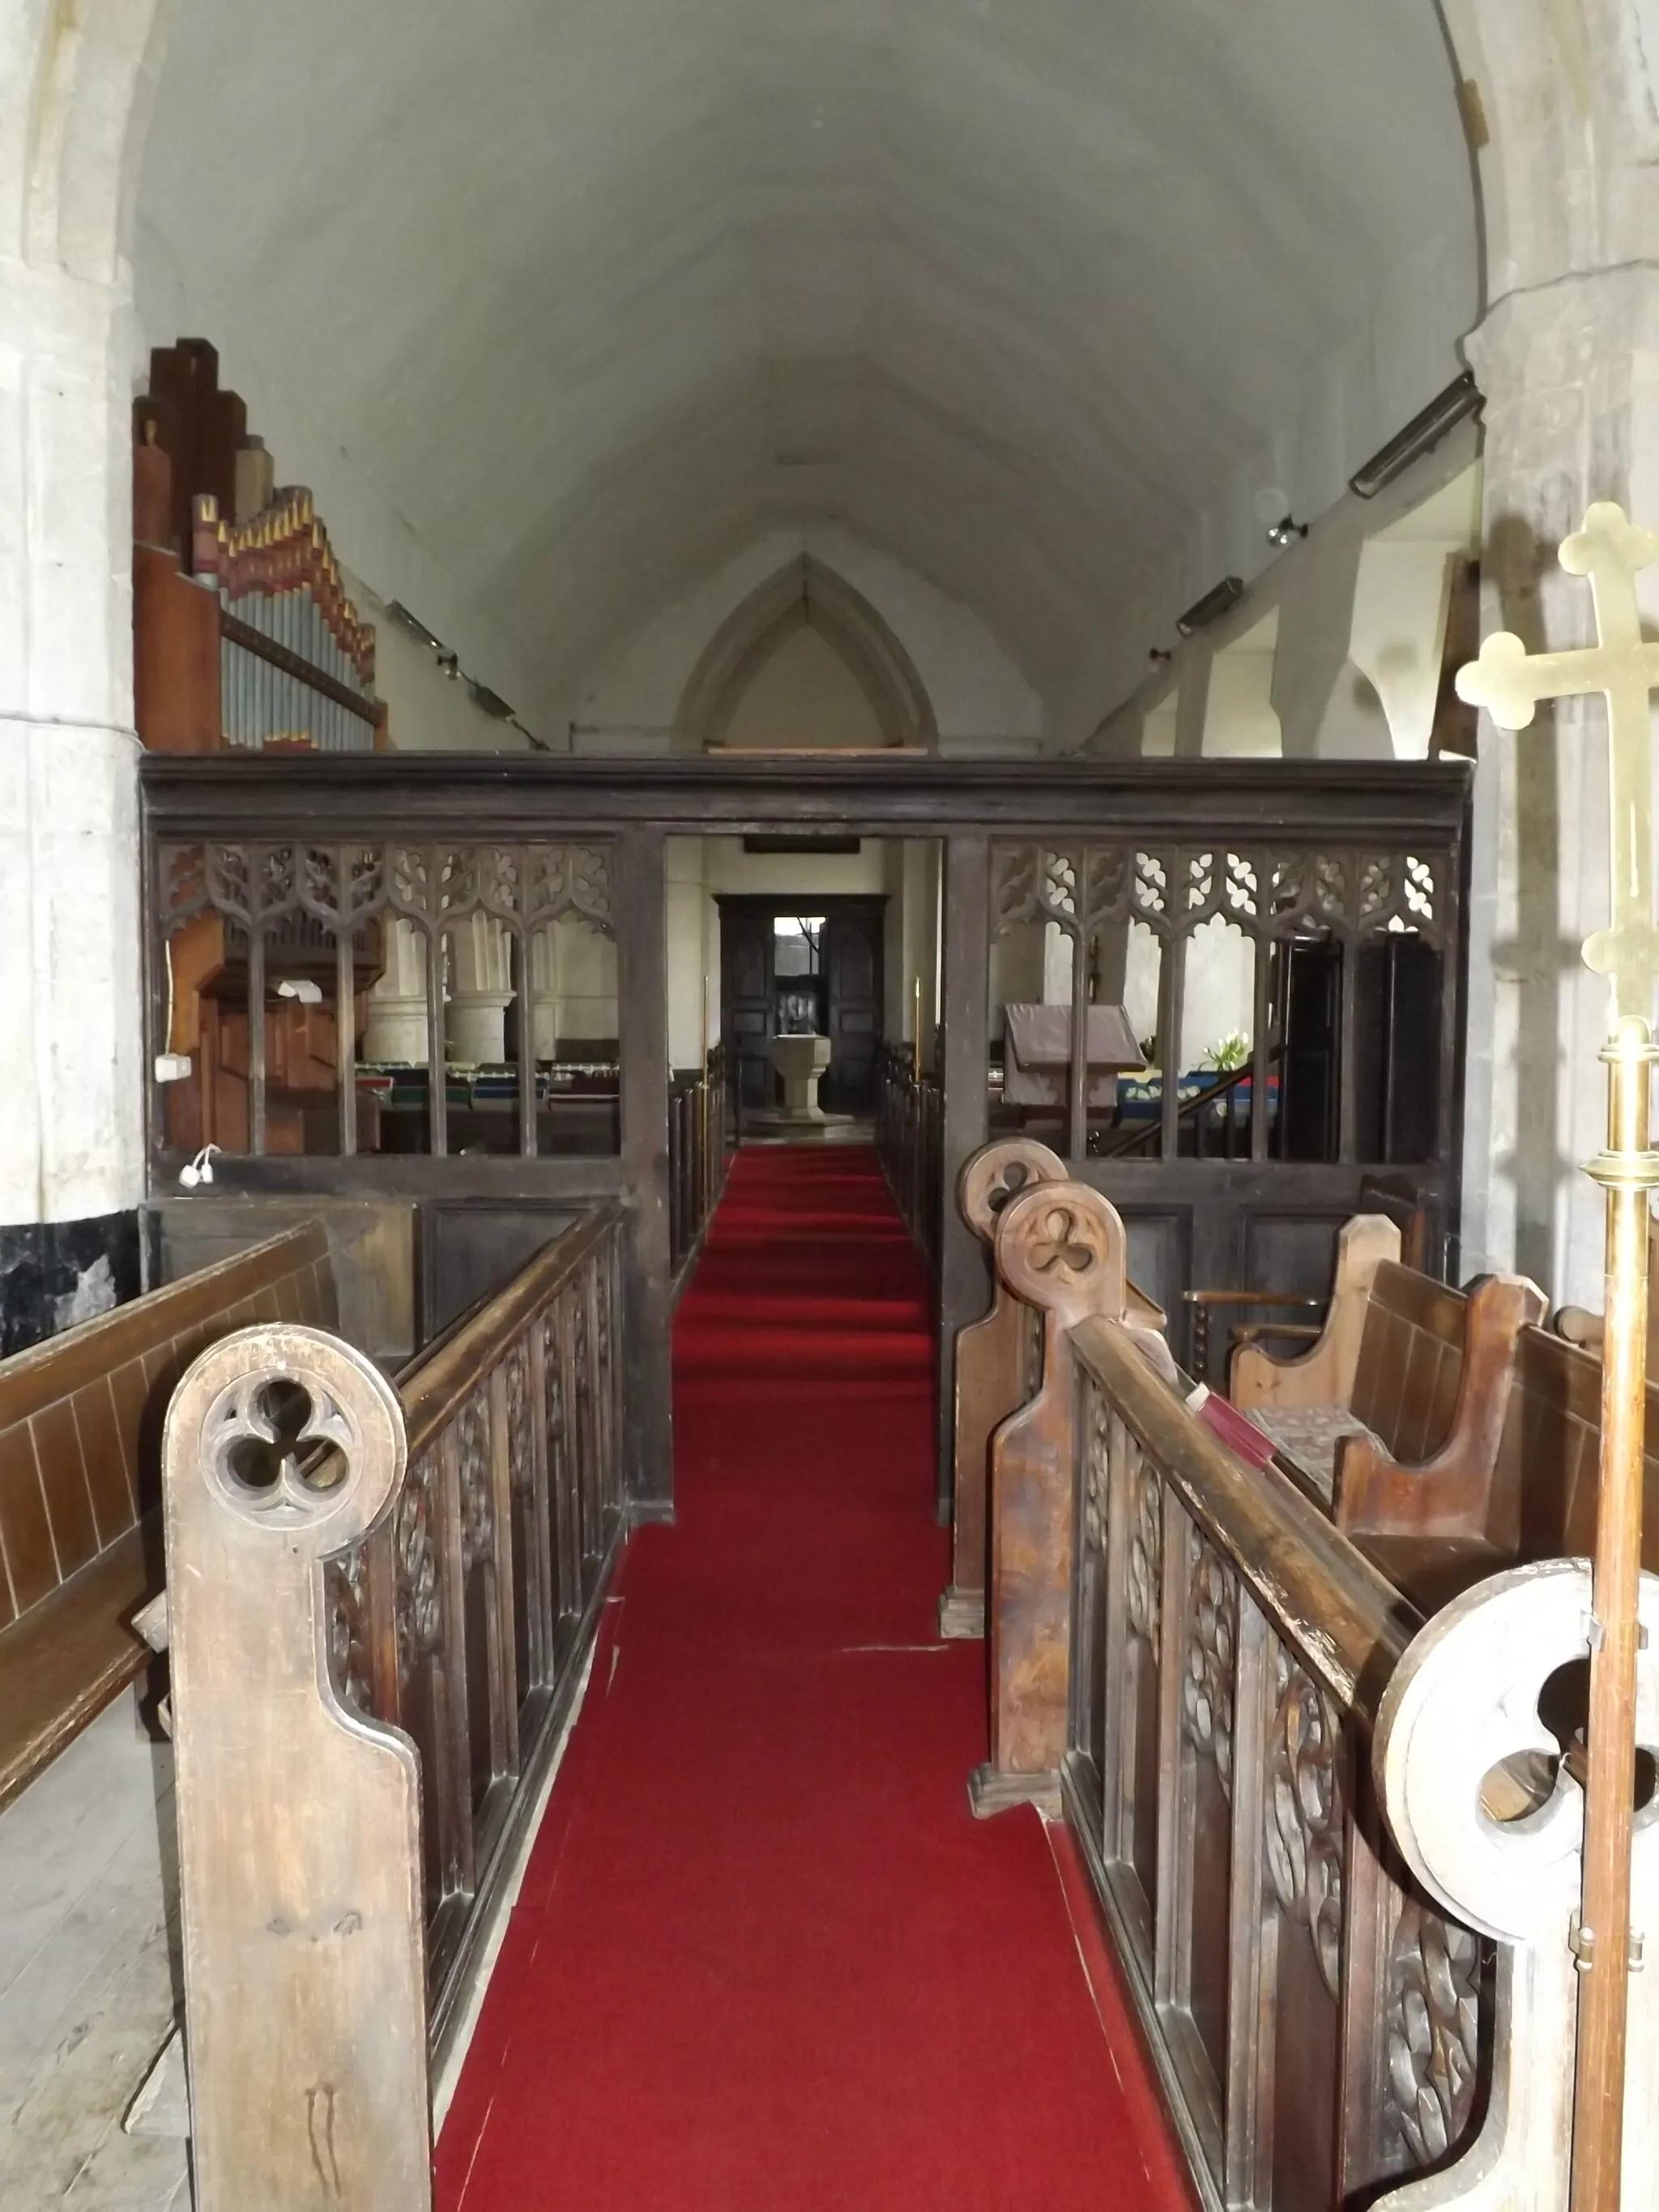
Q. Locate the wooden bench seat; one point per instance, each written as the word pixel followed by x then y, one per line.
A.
pixel 80 1459
pixel 1397 1418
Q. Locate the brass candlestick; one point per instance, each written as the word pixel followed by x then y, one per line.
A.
pixel 1509 681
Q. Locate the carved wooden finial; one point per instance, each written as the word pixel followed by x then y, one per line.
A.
pixel 997 1174
pixel 1063 1248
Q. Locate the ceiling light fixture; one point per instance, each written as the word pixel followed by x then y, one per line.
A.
pixel 1214 603
pixel 1420 436
pixel 1285 531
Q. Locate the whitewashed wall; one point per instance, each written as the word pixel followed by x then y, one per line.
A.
pixel 980 698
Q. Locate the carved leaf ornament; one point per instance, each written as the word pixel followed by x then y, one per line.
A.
pixel 1206 1689
pixel 419 1601
pixel 344 887
pixel 1304 1814
pixel 1434 2031
pixel 1145 1546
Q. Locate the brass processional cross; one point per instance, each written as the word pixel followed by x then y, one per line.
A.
pixel 1508 681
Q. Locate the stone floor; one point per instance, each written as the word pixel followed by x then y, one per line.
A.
pixel 769 1128
pixel 88 1976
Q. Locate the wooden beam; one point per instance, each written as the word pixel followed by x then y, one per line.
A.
pixel 964 1267
pixel 517 796
pixel 639 894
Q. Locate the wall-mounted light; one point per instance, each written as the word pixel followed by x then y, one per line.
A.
pixel 1285 531
pixel 491 702
pixel 1422 433
pixel 1214 603
pixel 302 988
pixel 400 614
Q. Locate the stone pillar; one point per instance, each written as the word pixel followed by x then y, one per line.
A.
pixel 1570 372
pixel 545 991
pixel 587 980
pixel 687 952
pixel 71 1034
pixel 481 955
pixel 396 1029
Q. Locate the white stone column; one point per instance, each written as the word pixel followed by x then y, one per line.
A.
pixel 587 980
pixel 688 952
pixel 396 1029
pixel 545 991
pixel 73 98
pixel 1570 372
pixel 481 990
pixel 71 1033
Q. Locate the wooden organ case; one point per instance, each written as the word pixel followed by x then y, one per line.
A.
pixel 245 639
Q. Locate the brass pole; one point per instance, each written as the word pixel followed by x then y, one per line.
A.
pixel 1627 1171
pixel 1623 666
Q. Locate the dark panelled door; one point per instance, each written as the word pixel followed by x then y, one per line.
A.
pixel 852 972
pixel 746 996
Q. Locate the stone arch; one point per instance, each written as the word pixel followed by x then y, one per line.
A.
pixel 1559 101
pixel 76 87
pixel 805 593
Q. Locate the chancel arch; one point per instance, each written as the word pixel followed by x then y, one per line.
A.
pixel 805 662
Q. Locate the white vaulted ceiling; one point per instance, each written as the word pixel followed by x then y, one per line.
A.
pixel 1028 294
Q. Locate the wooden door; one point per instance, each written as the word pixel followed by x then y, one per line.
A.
pixel 746 996
pixel 851 962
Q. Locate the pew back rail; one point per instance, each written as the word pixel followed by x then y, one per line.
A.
pixel 80 1484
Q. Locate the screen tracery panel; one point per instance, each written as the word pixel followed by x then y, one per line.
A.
pixel 312 990
pixel 1273 947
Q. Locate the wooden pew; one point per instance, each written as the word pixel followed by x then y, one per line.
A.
pixel 997 1367
pixel 1398 1415
pixel 1322 2027
pixel 408 1638
pixel 80 1474
pixel 997 1359
pixel 1062 1249
pixel 1544 1495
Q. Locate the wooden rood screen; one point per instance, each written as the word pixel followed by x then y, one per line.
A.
pixel 428 911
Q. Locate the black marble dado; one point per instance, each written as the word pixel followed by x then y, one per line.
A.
pixel 54 1274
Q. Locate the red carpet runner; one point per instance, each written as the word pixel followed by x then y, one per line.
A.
pixel 764 1957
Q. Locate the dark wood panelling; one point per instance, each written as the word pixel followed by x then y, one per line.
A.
pixel 639 897
pixel 469 1248
pixel 964 1265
